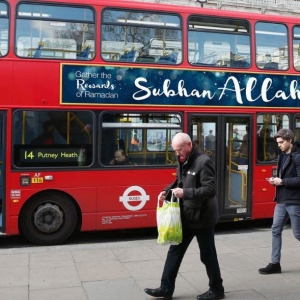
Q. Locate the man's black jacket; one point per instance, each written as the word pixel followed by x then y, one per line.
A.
pixel 199 207
pixel 289 191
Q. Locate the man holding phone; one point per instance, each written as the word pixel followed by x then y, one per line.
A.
pixel 120 158
pixel 287 197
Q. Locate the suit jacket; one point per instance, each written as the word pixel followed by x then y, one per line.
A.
pixel 199 207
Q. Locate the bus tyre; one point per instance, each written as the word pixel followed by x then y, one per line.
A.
pixel 48 219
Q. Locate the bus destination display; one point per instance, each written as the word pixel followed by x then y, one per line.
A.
pixel 57 155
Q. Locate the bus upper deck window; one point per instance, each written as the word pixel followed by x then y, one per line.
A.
pixel 271 46
pixel 296 47
pixel 3 29
pixel 46 31
pixel 141 37
pixel 219 42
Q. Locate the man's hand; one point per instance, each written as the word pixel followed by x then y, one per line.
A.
pixel 275 181
pixel 178 192
pixel 112 162
pixel 162 196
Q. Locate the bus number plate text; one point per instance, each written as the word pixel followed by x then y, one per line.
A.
pixel 37 180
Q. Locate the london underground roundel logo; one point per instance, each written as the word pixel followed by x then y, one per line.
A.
pixel 139 196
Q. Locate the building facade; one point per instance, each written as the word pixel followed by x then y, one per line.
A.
pixel 282 7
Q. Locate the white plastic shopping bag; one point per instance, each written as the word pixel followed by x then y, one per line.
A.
pixel 169 225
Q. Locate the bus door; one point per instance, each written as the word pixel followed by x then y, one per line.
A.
pixel 2 205
pixel 224 138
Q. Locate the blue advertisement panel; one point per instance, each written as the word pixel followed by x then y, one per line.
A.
pixel 95 84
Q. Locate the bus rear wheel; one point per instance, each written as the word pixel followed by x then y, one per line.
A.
pixel 48 219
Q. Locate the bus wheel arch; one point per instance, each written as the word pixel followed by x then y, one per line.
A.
pixel 49 217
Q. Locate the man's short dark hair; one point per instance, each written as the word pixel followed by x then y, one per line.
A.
pixel 121 151
pixel 285 134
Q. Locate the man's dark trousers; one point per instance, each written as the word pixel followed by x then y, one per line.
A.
pixel 208 256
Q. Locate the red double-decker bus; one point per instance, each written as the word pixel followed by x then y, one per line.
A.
pixel 85 85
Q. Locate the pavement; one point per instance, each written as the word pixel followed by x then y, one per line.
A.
pixel 114 269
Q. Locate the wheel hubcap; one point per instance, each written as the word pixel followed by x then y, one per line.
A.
pixel 48 218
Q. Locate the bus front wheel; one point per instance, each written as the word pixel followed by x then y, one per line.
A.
pixel 48 219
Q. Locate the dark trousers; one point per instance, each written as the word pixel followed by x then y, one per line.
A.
pixel 208 256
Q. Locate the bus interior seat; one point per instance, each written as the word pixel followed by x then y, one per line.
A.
pixel 147 159
pixel 238 160
pixel 243 159
pixel 234 162
pixel 297 68
pixel 271 65
pixel 136 160
pixel 85 53
pixel 145 59
pixel 157 159
pixel 128 56
pixel 169 58
pixel 38 51
pixel 201 63
pixel 240 64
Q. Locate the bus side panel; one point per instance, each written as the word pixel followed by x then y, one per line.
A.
pixel 263 193
pixel 263 210
pixel 48 89
pixel 132 201
pixel 12 226
pixel 84 196
pixel 79 187
pixel 5 80
pixel 120 209
pixel 127 201
pixel 126 220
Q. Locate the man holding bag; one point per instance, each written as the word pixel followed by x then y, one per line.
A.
pixel 195 187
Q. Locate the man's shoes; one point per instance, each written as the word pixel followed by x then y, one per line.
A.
pixel 270 269
pixel 211 295
pixel 158 293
